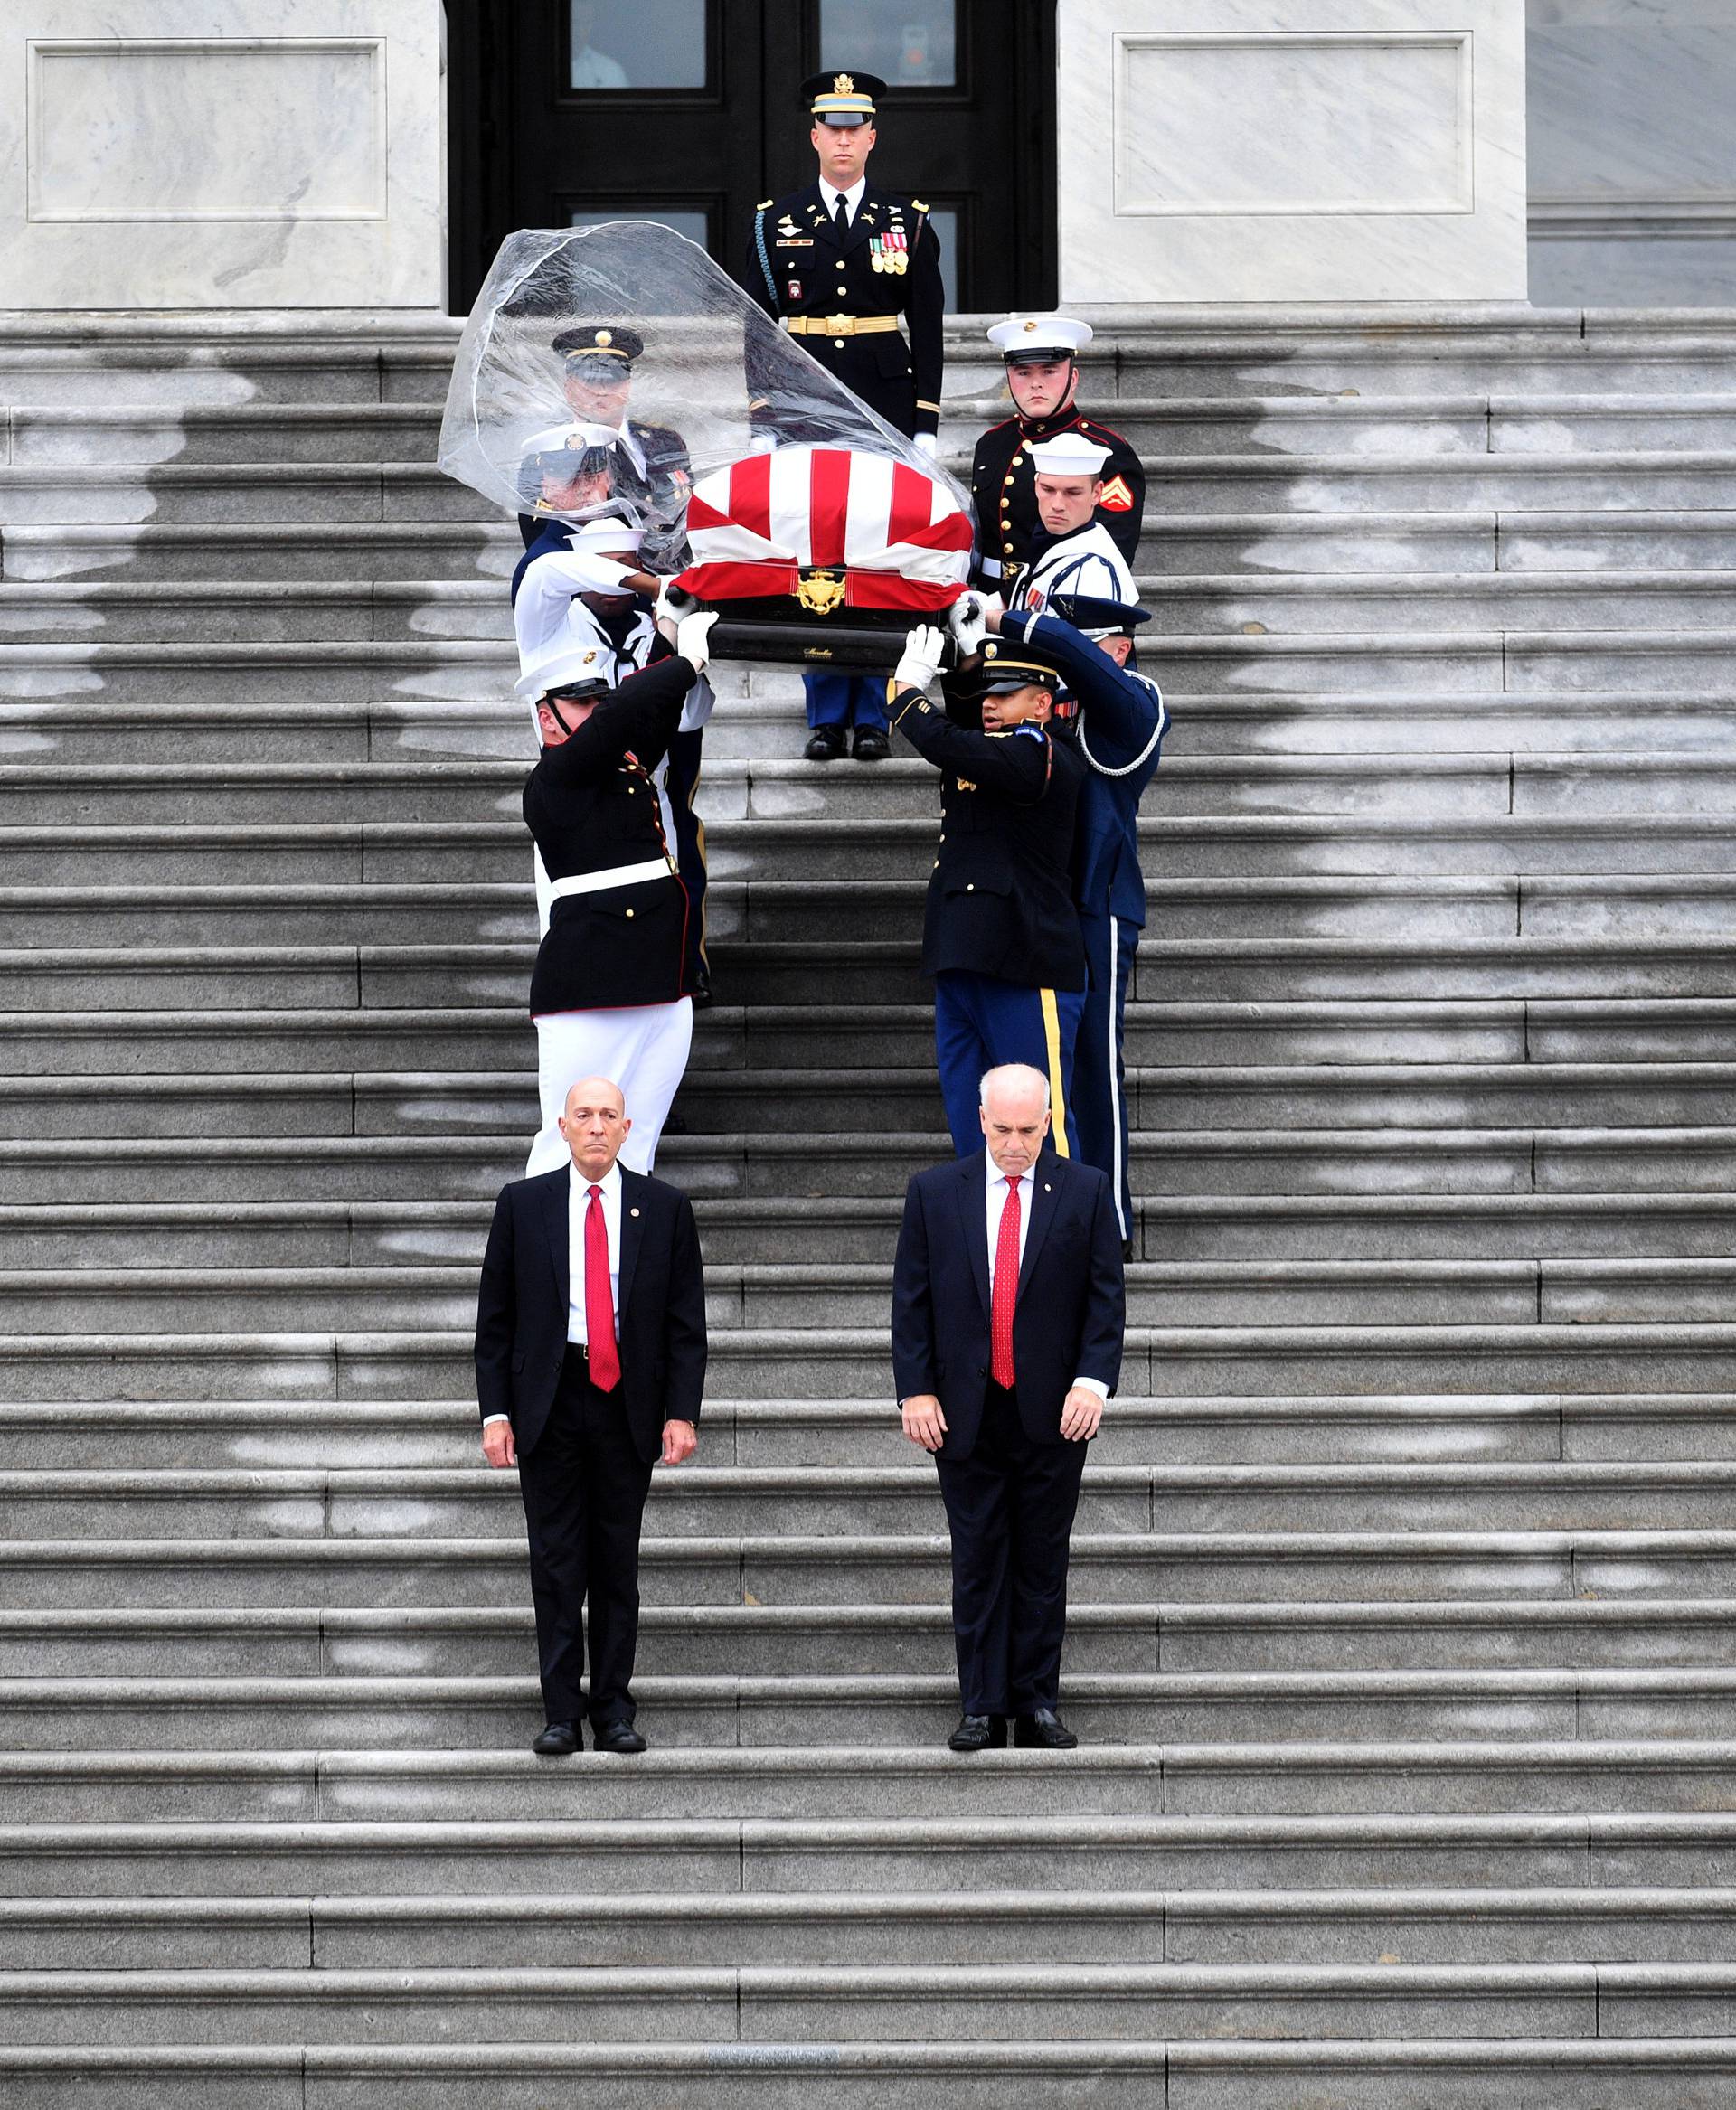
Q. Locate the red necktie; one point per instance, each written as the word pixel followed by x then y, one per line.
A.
pixel 599 1303
pixel 1005 1294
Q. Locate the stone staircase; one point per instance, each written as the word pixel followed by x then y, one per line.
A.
pixel 1407 1561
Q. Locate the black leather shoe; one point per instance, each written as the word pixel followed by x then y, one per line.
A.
pixel 560 1740
pixel 1043 1731
pixel 870 745
pixel 619 1736
pixel 825 744
pixel 978 1732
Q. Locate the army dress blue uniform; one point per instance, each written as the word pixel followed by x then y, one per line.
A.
pixel 1001 936
pixel 1121 726
pixel 842 291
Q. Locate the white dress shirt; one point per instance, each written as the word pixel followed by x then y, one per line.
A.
pixel 578 1202
pixel 995 1195
pixel 852 198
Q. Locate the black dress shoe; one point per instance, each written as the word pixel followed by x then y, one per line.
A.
pixel 1043 1731
pixel 560 1740
pixel 619 1736
pixel 825 744
pixel 978 1732
pixel 870 745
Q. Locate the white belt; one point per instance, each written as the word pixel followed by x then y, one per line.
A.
pixel 620 875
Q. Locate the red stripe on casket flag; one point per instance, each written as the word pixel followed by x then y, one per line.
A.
pixel 750 494
pixel 912 504
pixel 701 516
pixel 828 503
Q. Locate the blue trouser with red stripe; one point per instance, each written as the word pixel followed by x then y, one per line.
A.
pixel 858 699
pixel 980 1022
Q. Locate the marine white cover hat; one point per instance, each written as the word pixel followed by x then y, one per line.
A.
pixel 1032 337
pixel 1069 455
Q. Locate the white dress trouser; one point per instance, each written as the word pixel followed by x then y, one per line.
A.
pixel 643 1048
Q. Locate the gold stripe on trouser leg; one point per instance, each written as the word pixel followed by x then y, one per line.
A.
pixel 1057 1085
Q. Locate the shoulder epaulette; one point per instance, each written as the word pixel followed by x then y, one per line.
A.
pixel 917 205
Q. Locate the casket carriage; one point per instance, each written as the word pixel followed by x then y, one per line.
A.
pixel 823 555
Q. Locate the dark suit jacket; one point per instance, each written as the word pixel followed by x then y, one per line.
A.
pixel 521 1307
pixel 1070 1314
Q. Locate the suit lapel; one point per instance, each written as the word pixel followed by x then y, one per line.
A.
pixel 556 1193
pixel 633 1186
pixel 974 1215
pixel 1045 1197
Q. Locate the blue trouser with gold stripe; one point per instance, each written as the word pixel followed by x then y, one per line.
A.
pixel 1099 1082
pixel 980 1022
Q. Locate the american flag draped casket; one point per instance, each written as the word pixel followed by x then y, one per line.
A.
pixel 807 532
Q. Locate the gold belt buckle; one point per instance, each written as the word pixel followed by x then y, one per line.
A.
pixel 840 325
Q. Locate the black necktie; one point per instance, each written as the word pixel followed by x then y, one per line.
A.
pixel 841 218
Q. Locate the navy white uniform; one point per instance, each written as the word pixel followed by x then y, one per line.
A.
pixel 1086 561
pixel 1121 726
pixel 1000 935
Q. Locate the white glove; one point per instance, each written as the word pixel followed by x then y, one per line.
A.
pixel 928 443
pixel 762 442
pixel 921 661
pixel 968 623
pixel 693 638
pixel 673 603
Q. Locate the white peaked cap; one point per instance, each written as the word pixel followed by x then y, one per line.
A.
pixel 573 438
pixel 1071 454
pixel 558 665
pixel 608 531
pixel 1030 334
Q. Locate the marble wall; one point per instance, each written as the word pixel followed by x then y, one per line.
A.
pixel 1633 152
pixel 1263 150
pixel 223 153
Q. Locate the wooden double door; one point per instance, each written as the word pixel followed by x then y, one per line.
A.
pixel 564 112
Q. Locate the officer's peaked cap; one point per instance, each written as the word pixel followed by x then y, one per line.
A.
pixel 608 341
pixel 843 98
pixel 1029 340
pixel 1007 667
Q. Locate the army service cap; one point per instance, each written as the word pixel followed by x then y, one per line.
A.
pixel 606 352
pixel 1006 667
pixel 1035 340
pixel 844 99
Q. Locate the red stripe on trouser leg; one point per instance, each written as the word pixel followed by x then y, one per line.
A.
pixel 828 503
pixel 1005 1294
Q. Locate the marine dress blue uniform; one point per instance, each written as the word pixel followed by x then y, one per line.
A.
pixel 1121 727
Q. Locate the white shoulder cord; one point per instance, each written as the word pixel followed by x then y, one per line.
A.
pixel 1144 754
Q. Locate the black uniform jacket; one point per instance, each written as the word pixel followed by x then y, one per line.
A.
pixel 1000 896
pixel 522 1306
pixel 1070 1312
pixel 812 273
pixel 1004 485
pixel 592 807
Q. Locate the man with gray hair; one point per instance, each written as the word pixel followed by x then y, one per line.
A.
pixel 1009 1310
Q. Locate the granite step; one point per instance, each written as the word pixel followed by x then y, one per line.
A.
pixel 851 1233
pixel 384 1434
pixel 726 1855
pixel 172 1713
pixel 773 910
pixel 861 1639
pixel 835 1998
pixel 1549 2073
pixel 1289 542
pixel 272 551
pixel 895 1496
pixel 1234 1290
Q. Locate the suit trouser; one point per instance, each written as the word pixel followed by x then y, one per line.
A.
pixel 584 1486
pixel 981 1021
pixel 1099 1079
pixel 1010 1508
pixel 858 699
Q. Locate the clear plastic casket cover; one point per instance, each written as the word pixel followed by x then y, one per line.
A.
pixel 664 372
